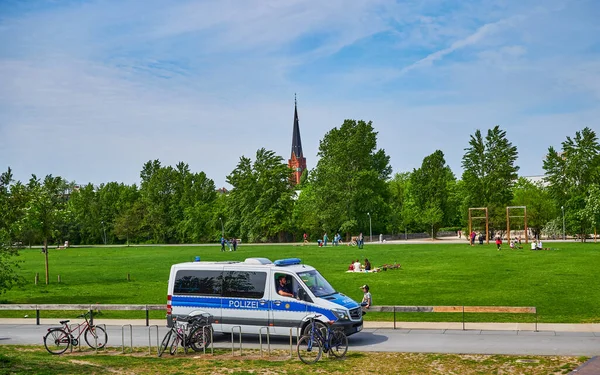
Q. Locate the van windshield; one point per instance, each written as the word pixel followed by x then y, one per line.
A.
pixel 316 283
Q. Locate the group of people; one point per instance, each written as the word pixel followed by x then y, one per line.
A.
pixel 231 244
pixel 356 266
pixel 474 236
pixel 515 243
pixel 537 245
pixel 337 240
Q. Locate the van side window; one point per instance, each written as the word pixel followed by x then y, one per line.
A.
pixel 244 284
pixel 196 282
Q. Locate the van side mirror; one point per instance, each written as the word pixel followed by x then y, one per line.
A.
pixel 303 296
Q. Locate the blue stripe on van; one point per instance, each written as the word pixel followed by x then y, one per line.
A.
pixel 248 304
pixel 193 301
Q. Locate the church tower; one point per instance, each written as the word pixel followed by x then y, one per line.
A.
pixel 297 161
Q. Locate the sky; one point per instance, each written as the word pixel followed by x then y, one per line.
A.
pixel 91 90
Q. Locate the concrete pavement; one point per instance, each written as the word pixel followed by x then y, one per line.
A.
pixel 434 339
pixel 552 327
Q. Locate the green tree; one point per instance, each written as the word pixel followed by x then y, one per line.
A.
pixel 8 252
pixel 129 223
pixel 591 211
pixel 430 189
pixel 571 174
pixel 350 179
pixel 398 192
pixel 489 173
pixel 261 201
pixel 540 206
pixel 46 209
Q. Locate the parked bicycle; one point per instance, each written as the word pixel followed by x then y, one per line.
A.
pixel 318 340
pixel 192 331
pixel 58 339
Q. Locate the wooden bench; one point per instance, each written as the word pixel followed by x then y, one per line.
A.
pixel 457 309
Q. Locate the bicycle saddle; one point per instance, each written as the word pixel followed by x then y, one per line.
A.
pixel 64 321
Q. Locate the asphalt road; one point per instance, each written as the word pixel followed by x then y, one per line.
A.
pixel 375 339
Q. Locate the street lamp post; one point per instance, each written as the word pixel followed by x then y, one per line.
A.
pixel 370 230
pixel 104 230
pixel 563 213
pixel 222 228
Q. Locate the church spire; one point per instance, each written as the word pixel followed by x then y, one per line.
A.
pixel 297 161
pixel 296 140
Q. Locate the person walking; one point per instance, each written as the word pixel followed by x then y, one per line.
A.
pixel 222 243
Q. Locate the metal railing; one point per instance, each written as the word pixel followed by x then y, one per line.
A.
pixel 457 309
pixel 90 308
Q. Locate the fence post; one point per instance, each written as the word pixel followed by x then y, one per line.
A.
pixel 147 317
pixel 463 317
pixel 394 316
pixel 37 315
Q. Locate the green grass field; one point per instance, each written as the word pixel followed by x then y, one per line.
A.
pixel 561 283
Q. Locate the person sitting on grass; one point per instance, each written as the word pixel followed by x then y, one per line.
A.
pixel 367 299
pixel 357 266
pixel 534 244
pixel 539 245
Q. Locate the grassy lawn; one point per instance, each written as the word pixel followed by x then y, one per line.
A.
pixel 35 360
pixel 561 283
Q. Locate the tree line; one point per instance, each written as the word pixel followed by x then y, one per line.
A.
pixel 350 190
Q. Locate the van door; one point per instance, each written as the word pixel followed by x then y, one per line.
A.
pixel 286 312
pixel 245 299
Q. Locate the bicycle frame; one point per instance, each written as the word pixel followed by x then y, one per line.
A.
pixel 79 329
pixel 315 334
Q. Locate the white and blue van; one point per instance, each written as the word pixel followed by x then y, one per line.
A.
pixel 245 294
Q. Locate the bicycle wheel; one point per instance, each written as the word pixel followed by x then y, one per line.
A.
pixel 321 327
pixel 175 344
pixel 165 343
pixel 96 335
pixel 338 344
pixel 309 349
pixel 200 338
pixel 57 341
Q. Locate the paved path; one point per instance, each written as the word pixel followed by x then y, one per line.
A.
pixel 375 337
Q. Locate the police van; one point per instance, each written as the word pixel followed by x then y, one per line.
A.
pixel 250 294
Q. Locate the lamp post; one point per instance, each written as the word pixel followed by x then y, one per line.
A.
pixel 563 213
pixel 104 230
pixel 370 230
pixel 222 228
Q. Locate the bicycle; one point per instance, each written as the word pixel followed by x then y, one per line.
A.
pixel 310 346
pixel 193 331
pixel 58 339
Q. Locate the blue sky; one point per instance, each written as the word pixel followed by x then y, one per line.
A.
pixel 90 90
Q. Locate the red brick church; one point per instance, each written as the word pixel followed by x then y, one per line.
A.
pixel 297 161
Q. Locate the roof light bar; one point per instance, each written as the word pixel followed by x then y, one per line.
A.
pixel 287 262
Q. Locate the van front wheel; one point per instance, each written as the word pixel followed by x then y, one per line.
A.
pixel 320 327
